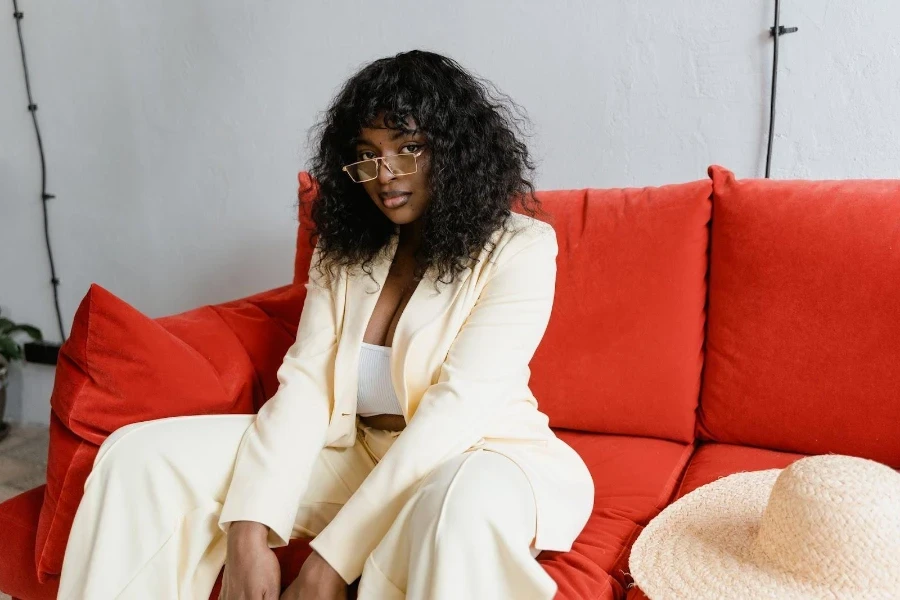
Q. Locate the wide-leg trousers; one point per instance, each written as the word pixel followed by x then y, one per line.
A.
pixel 147 526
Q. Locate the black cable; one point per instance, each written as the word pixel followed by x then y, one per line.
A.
pixel 777 31
pixel 772 100
pixel 32 107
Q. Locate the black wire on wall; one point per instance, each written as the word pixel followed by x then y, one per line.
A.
pixel 777 31
pixel 32 107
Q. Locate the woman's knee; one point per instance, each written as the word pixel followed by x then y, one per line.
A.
pixel 128 444
pixel 483 489
pixel 134 448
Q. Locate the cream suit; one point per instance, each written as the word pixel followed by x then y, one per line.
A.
pixel 459 366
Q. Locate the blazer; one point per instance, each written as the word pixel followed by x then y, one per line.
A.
pixel 459 366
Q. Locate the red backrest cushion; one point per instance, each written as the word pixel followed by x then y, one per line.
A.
pixel 803 346
pixel 307 190
pixel 623 351
pixel 118 367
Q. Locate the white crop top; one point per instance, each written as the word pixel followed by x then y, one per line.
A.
pixel 375 393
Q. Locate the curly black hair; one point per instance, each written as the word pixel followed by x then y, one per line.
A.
pixel 479 167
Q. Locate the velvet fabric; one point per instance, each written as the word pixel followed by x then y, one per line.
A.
pixel 624 348
pixel 803 342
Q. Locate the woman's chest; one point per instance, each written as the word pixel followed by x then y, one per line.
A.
pixel 389 307
pixel 419 323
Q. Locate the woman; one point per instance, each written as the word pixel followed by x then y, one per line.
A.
pixel 403 436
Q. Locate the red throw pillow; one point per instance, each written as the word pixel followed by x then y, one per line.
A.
pixel 803 351
pixel 266 325
pixel 119 367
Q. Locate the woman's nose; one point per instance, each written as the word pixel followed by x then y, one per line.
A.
pixel 384 173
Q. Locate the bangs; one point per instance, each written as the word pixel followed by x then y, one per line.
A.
pixel 394 102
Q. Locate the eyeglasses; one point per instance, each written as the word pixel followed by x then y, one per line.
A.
pixel 397 164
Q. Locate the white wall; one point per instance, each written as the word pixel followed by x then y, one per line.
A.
pixel 173 131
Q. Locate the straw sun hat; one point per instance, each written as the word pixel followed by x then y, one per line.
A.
pixel 827 526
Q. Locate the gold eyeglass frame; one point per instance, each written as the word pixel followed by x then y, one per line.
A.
pixel 383 159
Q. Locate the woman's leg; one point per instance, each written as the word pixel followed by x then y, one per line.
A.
pixel 465 533
pixel 335 476
pixel 147 526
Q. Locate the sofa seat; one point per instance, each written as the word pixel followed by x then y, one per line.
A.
pixel 713 461
pixel 634 477
pixel 18 531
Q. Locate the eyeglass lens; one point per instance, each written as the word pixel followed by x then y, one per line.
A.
pixel 399 164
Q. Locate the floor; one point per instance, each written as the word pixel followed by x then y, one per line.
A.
pixel 23 459
pixel 23 462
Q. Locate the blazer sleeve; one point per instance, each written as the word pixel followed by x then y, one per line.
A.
pixel 275 457
pixel 484 371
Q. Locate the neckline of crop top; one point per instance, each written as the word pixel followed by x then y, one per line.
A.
pixel 384 349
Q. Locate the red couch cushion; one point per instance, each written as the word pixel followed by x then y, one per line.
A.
pixel 714 461
pixel 18 529
pixel 623 351
pixel 266 326
pixel 69 463
pixel 634 478
pixel 307 190
pixel 119 367
pixel 803 346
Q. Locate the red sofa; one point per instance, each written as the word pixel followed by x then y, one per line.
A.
pixel 699 329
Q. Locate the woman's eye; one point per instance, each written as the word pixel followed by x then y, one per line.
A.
pixel 368 155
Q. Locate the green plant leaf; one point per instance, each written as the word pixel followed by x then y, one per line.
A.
pixel 31 330
pixel 5 325
pixel 10 349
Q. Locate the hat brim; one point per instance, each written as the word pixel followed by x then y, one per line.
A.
pixel 700 546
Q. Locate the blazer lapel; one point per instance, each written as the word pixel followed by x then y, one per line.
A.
pixel 361 294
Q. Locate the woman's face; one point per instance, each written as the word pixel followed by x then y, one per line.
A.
pixel 402 198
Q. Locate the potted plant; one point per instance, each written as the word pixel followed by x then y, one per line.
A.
pixel 10 350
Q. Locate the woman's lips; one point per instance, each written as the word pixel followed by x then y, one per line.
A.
pixel 396 201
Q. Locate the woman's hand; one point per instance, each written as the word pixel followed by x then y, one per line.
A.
pixel 251 568
pixel 316 581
